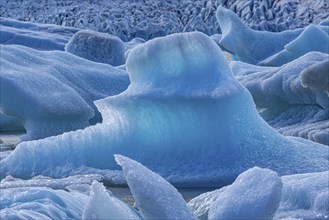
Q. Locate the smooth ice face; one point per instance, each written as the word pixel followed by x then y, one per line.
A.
pixel 40 203
pixel 50 94
pixel 101 205
pixel 249 45
pixel 313 38
pixel 201 133
pixel 98 47
pixel 295 95
pixel 33 35
pixel 154 196
pixel 255 194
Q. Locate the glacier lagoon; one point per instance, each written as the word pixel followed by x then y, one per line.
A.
pixel 174 80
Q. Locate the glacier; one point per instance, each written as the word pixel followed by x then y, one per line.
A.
pixel 49 94
pixel 289 100
pixel 150 19
pixel 182 100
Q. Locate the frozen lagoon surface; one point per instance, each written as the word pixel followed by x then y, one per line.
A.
pixel 182 100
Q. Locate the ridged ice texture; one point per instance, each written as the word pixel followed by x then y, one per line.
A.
pixel 184 116
pixel 296 103
pixel 153 18
pixel 53 92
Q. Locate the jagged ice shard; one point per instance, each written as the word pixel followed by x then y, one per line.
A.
pixel 184 116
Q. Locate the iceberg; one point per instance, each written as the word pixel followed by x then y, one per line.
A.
pixel 249 45
pixel 97 47
pixel 184 116
pixel 102 205
pixel 304 196
pixel 300 196
pixel 255 194
pixel 49 94
pixel 269 48
pixel 154 196
pixel 303 44
pixel 37 36
pixel 296 102
pixel 40 203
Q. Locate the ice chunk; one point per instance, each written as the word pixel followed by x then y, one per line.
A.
pixel 316 76
pixel 250 45
pixel 33 35
pixel 255 194
pixel 40 203
pixel 303 44
pixel 184 116
pixel 101 205
pixel 304 196
pixel 154 196
pixel 291 107
pixel 50 94
pixel 98 47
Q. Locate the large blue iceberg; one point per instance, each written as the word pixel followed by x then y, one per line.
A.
pixel 184 115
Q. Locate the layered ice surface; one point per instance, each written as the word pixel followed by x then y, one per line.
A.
pixel 294 96
pixel 53 92
pixel 37 36
pixel 184 115
pixel 268 48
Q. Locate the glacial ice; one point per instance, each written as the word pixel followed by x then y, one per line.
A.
pixel 291 107
pixel 249 45
pixel 182 100
pixel 255 194
pixel 316 76
pixel 313 38
pixel 49 93
pixel 40 203
pixel 37 36
pixel 154 196
pixel 303 196
pixel 102 205
pixel 97 47
pixel 10 123
pixel 268 48
pixel 154 18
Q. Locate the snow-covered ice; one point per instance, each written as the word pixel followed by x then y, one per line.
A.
pixel 98 47
pixel 292 107
pixel 182 100
pixel 49 93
